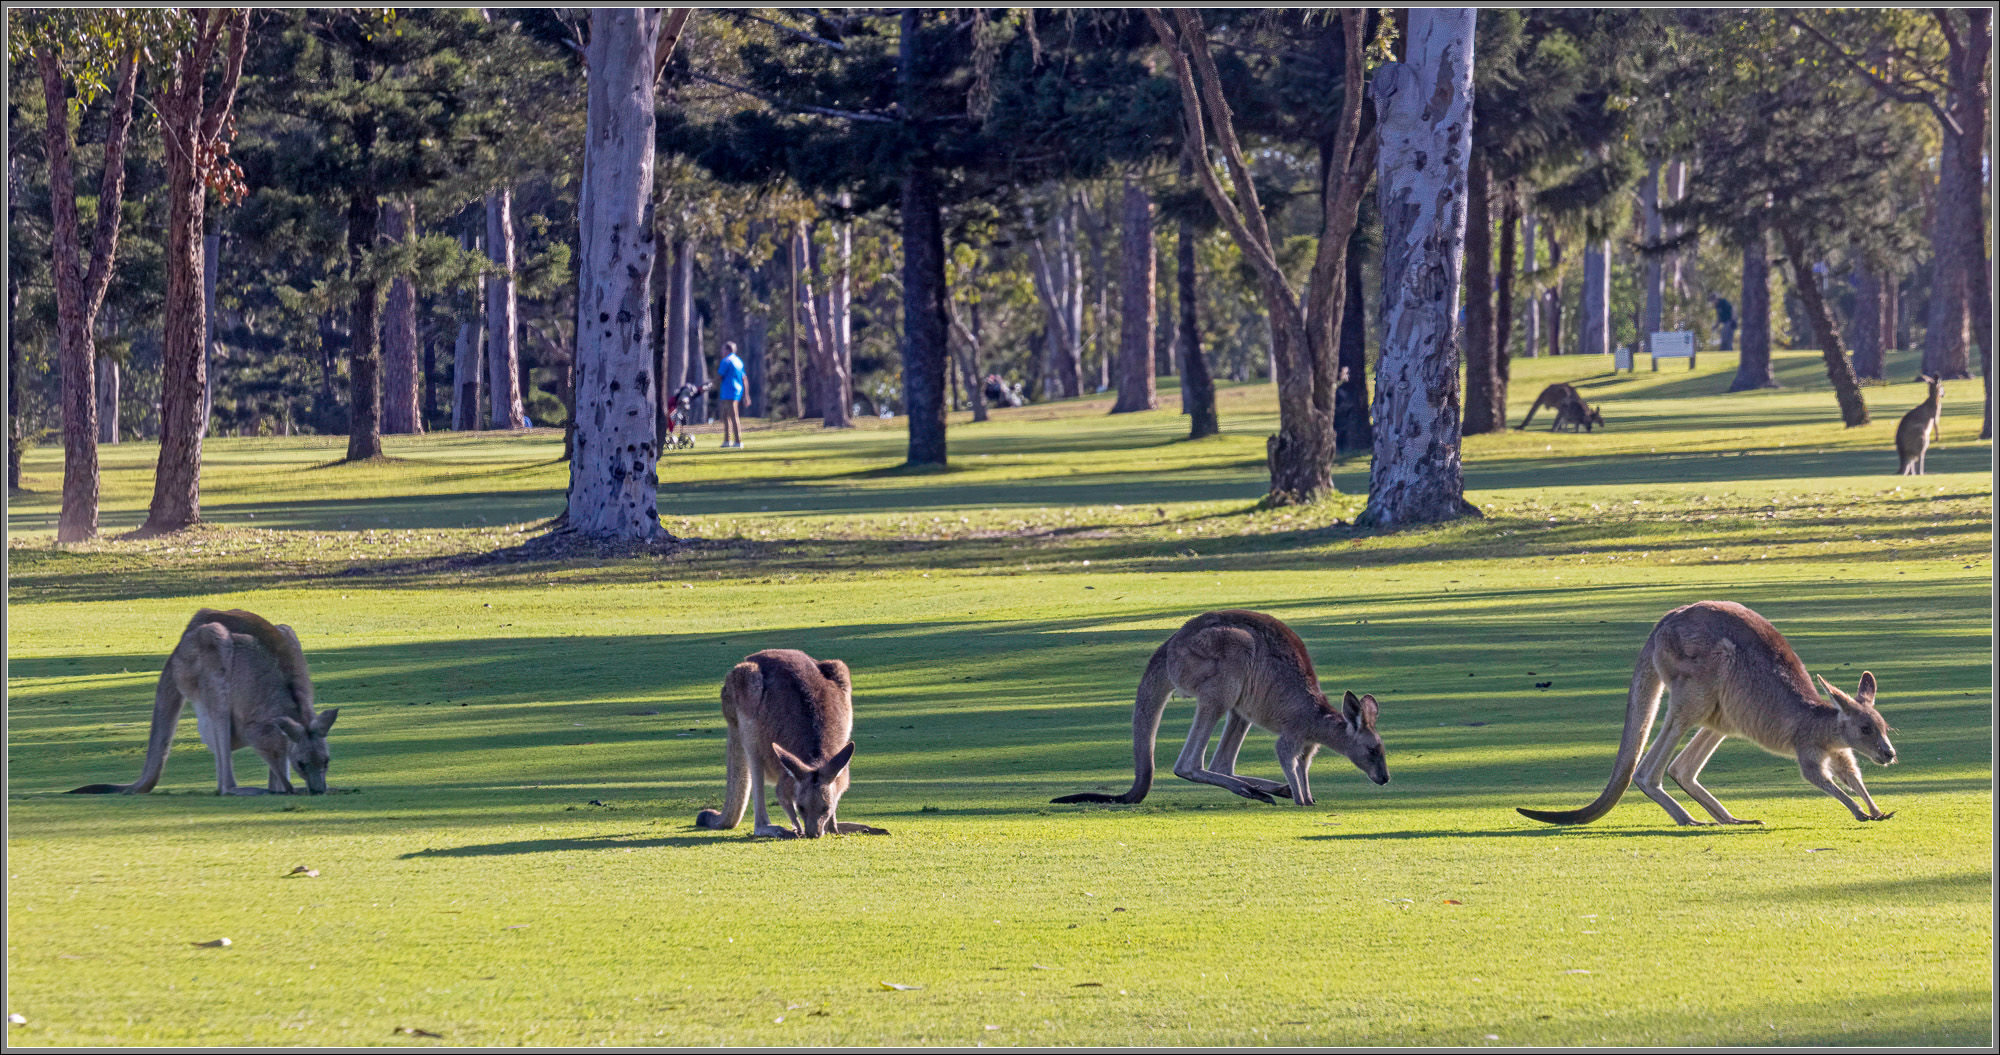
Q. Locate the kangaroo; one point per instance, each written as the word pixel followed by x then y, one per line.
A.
pixel 250 688
pixel 1250 669
pixel 1563 398
pixel 791 720
pixel 1728 672
pixel 1913 433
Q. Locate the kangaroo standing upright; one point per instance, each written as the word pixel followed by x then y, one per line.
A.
pixel 1728 672
pixel 250 688
pixel 1913 433
pixel 791 722
pixel 1253 670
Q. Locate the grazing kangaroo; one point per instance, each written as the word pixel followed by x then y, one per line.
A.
pixel 1251 669
pixel 1913 433
pixel 250 688
pixel 791 722
pixel 1569 407
pixel 1728 672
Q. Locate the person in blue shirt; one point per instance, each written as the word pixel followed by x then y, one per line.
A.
pixel 729 392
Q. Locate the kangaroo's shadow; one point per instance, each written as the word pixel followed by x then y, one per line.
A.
pixel 1550 832
pixel 593 842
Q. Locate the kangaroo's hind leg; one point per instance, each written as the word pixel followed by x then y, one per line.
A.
pixel 1210 709
pixel 1841 765
pixel 1675 724
pixel 1234 729
pixel 1686 771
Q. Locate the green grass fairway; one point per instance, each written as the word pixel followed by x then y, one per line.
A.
pixel 531 741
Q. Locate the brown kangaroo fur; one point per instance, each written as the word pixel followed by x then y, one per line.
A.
pixel 1913 433
pixel 1569 407
pixel 1728 672
pixel 791 722
pixel 1253 670
pixel 250 688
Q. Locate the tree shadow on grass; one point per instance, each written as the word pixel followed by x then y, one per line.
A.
pixel 623 841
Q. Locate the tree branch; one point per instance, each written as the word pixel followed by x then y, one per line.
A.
pixel 232 72
pixel 800 33
pixel 670 35
pixel 111 189
pixel 822 111
pixel 1900 93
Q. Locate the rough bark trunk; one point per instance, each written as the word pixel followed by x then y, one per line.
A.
pixel 1138 277
pixel 503 324
pixel 1972 100
pixel 613 492
pixel 1654 275
pixel 190 127
pixel 1853 410
pixel 211 262
pixel 364 356
pixel 1594 329
pixel 1482 377
pixel 107 400
pixel 925 327
pixel 1352 430
pixel 1944 332
pixel 1531 322
pixel 796 380
pixel 657 305
pixel 400 375
pixel 1552 310
pixel 465 359
pixel 1503 302
pixel 1424 106
pixel 429 373
pixel 1868 318
pixel 1197 384
pixel 1753 320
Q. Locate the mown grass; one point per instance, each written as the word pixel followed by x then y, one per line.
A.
pixel 996 616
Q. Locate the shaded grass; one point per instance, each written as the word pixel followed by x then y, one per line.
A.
pixel 996 618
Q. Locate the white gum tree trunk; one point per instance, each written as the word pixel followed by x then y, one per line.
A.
pixel 1594 328
pixel 502 324
pixel 1424 106
pixel 614 486
pixel 400 372
pixel 107 400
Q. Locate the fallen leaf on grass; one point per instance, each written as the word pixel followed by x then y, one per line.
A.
pixel 1088 985
pixel 1450 901
pixel 413 1031
pixel 219 943
pixel 302 870
pixel 899 986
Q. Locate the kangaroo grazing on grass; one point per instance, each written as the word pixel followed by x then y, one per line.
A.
pixel 1728 672
pixel 1251 669
pixel 1569 407
pixel 1913 433
pixel 791 722
pixel 250 688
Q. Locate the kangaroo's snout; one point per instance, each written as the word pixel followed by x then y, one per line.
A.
pixel 1379 778
pixel 1886 758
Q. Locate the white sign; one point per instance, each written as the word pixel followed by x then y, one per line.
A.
pixel 1673 344
pixel 1621 359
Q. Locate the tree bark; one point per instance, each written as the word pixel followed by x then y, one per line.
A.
pixel 465 358
pixel 211 262
pixel 1753 320
pixel 1531 322
pixel 1197 384
pixel 1097 292
pixel 614 486
pixel 812 320
pixel 503 323
pixel 968 363
pixel 1676 190
pixel 1595 327
pixel 1503 301
pixel 1655 275
pixel 925 327
pixel 1138 279
pixel 1424 106
pixel 1352 430
pixel 1868 318
pixel 107 400
pixel 837 409
pixel 1059 379
pixel 79 286
pixel 1846 390
pixel 1944 331
pixel 400 375
pixel 792 327
pixel 1552 313
pixel 659 305
pixel 364 356
pixel 1482 376
pixel 190 127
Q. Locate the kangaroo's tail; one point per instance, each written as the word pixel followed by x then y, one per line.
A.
pixel 1155 686
pixel 1640 707
pixel 167 702
pixel 743 686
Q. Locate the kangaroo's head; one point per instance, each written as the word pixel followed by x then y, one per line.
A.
pixel 1362 745
pixel 308 747
pixel 1861 725
pixel 1596 419
pixel 815 788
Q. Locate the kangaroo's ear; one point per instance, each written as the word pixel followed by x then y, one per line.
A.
pixel 324 720
pixel 838 762
pixel 293 731
pixel 1838 698
pixel 1368 710
pixel 793 764
pixel 1866 693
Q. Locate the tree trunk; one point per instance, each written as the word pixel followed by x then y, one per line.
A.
pixel 812 319
pixel 1595 326
pixel 1868 319
pixel 697 370
pixel 1553 309
pixel 1047 285
pixel 659 305
pixel 400 375
pixel 968 362
pixel 1139 276
pixel 1097 293
pixel 1197 385
pixel 1531 322
pixel 1944 332
pixel 1675 191
pixel 792 327
pixel 211 261
pixel 1972 101
pixel 107 400
pixel 1482 376
pixel 837 409
pixel 1352 431
pixel 503 324
pixel 1424 106
pixel 614 486
pixel 925 325
pixel 465 359
pixel 1503 301
pixel 364 357
pixel 1649 200
pixel 1853 411
pixel 429 411
pixel 1753 320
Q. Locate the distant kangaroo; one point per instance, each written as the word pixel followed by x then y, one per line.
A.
pixel 1913 433
pixel 1251 669
pixel 1568 405
pixel 250 688
pixel 1728 672
pixel 791 722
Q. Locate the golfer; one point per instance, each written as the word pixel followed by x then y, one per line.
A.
pixel 729 392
